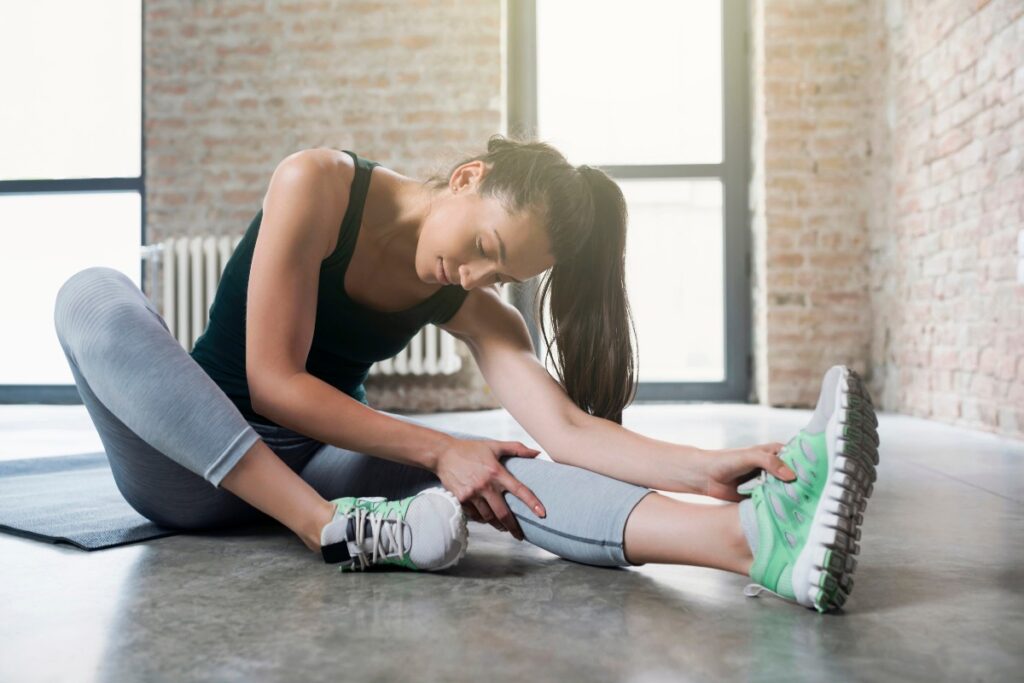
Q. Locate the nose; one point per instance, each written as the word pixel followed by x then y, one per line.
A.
pixel 470 277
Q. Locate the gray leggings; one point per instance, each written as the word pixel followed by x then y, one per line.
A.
pixel 171 435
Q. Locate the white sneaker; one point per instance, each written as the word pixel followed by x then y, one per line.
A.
pixel 424 532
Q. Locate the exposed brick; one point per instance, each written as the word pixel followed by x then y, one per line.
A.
pixel 913 170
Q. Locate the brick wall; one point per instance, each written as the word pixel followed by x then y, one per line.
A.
pixel 887 196
pixel 811 158
pixel 948 337
pixel 234 86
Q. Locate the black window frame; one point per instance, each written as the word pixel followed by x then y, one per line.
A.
pixel 734 173
pixel 67 394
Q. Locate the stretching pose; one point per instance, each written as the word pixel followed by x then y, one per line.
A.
pixel 267 415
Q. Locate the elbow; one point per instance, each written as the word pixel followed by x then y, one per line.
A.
pixel 578 419
pixel 267 392
pixel 258 394
pixel 565 447
pixel 257 403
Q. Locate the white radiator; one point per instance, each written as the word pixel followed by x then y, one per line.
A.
pixel 188 269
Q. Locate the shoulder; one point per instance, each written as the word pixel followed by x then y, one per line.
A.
pixel 312 186
pixel 321 162
pixel 484 314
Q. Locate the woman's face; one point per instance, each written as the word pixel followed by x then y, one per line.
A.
pixel 470 241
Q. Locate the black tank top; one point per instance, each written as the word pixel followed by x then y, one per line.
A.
pixel 348 337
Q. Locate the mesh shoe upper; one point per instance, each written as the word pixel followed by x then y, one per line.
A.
pixel 785 511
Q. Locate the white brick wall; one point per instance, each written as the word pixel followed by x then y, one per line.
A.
pixel 888 199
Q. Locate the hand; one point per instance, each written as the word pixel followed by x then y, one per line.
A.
pixel 470 469
pixel 725 469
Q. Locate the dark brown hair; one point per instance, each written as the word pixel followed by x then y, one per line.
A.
pixel 585 216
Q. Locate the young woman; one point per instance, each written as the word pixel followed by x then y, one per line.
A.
pixel 267 415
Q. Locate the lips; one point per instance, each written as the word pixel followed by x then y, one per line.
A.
pixel 442 276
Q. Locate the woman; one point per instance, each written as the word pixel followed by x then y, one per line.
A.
pixel 269 406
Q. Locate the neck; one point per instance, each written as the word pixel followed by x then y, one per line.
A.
pixel 394 213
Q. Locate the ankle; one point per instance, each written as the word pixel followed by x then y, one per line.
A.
pixel 317 521
pixel 745 559
pixel 743 556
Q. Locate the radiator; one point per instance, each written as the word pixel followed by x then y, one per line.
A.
pixel 186 272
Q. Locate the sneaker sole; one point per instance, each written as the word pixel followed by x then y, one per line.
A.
pixel 823 573
pixel 457 522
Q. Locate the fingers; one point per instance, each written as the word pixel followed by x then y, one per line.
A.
pixel 520 491
pixel 472 512
pixel 519 449
pixel 483 510
pixel 505 515
pixel 776 467
pixel 479 511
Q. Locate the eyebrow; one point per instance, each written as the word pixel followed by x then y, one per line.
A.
pixel 502 255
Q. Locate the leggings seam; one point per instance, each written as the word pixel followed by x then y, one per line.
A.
pixel 232 452
pixel 625 521
pixel 571 537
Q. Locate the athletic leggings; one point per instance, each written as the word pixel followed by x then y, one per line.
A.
pixel 171 435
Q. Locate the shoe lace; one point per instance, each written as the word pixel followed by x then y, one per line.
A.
pixel 388 539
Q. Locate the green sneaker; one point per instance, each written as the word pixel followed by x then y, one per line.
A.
pixel 425 532
pixel 808 530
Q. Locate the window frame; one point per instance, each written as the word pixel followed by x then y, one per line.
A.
pixel 67 394
pixel 734 174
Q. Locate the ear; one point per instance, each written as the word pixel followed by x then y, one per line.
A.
pixel 470 173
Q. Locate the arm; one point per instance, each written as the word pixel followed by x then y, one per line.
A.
pixel 304 204
pixel 498 338
pixel 310 406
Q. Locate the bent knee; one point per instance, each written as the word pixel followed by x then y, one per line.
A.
pixel 93 296
pixel 88 278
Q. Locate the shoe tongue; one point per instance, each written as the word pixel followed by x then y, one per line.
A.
pixel 350 530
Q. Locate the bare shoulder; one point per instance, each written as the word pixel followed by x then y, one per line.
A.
pixel 324 161
pixel 485 314
pixel 315 185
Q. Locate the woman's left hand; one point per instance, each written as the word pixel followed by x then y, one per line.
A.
pixel 725 469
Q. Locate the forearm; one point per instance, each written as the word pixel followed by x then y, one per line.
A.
pixel 607 448
pixel 310 406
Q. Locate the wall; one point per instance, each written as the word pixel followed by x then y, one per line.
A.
pixel 811 161
pixel 887 198
pixel 233 87
pixel 948 336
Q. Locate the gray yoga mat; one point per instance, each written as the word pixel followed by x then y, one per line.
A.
pixel 70 499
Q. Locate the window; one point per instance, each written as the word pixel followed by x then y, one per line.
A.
pixel 654 94
pixel 71 179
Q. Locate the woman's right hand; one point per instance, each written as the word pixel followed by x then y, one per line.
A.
pixel 470 469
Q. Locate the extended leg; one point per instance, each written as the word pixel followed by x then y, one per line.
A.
pixel 591 518
pixel 662 529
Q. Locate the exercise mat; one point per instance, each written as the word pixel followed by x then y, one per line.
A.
pixel 70 499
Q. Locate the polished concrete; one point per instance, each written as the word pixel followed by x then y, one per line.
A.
pixel 939 591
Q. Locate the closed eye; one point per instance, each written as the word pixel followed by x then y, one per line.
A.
pixel 480 248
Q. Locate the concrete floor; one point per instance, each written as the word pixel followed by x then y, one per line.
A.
pixel 939 589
